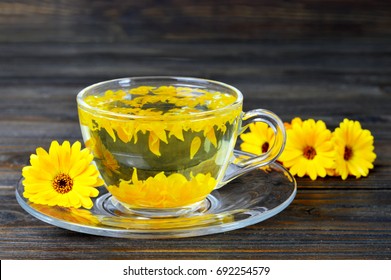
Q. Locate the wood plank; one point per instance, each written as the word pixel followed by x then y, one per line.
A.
pixel 171 20
pixel 337 225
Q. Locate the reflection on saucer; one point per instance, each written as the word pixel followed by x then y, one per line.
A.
pixel 72 215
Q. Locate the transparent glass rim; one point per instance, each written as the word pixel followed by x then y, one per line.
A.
pixel 187 81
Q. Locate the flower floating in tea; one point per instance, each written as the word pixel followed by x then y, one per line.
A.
pixel 164 191
pixel 64 176
pixel 354 147
pixel 168 104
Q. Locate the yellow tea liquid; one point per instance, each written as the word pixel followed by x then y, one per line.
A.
pixel 160 147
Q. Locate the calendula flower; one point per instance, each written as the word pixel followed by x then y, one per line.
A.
pixel 170 191
pixel 258 140
pixel 354 147
pixel 64 176
pixel 309 149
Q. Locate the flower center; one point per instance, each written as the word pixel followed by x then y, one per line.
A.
pixel 265 147
pixel 62 183
pixel 348 153
pixel 309 152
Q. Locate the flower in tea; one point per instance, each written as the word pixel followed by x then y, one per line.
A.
pixel 64 176
pixel 165 191
pixel 258 140
pixel 101 153
pixel 165 103
pixel 354 147
pixel 309 149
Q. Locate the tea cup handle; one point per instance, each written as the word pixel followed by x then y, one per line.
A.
pixel 243 162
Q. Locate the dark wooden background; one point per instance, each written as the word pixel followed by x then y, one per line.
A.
pixel 314 59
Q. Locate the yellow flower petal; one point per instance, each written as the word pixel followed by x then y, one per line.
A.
pixel 154 143
pixel 177 131
pixel 210 134
pixel 251 148
pixel 195 146
pixel 253 139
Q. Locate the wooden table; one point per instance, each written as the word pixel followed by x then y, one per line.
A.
pixel 324 61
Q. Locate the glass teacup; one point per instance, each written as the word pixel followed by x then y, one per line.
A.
pixel 163 144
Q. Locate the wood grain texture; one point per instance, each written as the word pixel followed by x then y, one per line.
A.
pixel 314 59
pixel 186 20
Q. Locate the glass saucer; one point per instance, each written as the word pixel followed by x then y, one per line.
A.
pixel 247 200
